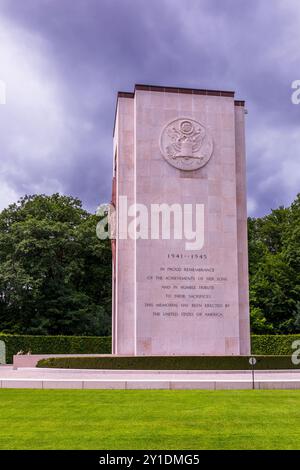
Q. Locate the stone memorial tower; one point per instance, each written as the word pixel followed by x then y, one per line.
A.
pixel 180 270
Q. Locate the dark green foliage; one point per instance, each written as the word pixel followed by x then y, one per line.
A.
pixel 55 275
pixel 276 345
pixel 279 345
pixel 274 267
pixel 169 363
pixel 55 345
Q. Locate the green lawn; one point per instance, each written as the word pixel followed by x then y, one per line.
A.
pixel 113 419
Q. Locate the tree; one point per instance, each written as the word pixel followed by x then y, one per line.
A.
pixel 274 267
pixel 55 274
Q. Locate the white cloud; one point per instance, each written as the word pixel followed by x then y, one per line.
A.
pixel 35 126
pixel 251 206
pixel 7 195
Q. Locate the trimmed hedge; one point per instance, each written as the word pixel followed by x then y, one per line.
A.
pixel 278 345
pixel 169 362
pixel 55 344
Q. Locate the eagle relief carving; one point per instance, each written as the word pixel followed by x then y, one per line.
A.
pixel 186 144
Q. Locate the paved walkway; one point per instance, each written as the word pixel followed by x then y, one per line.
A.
pixel 171 380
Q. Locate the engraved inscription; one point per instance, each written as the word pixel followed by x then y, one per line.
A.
pixel 188 291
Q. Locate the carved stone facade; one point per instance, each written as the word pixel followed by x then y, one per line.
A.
pixel 181 147
pixel 186 144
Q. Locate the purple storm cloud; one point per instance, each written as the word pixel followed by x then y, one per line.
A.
pixel 63 61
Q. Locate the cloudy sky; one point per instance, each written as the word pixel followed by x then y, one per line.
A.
pixel 63 62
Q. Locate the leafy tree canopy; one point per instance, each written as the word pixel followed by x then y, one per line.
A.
pixel 55 275
pixel 274 267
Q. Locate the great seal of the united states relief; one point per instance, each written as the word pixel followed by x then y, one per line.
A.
pixel 186 144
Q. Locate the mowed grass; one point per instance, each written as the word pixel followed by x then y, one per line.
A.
pixel 143 419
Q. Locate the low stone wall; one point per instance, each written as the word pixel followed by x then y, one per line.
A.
pixel 31 360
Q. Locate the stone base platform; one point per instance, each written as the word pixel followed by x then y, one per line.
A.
pixel 31 360
pixel 130 380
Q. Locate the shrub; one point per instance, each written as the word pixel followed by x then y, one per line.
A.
pixel 278 345
pixel 169 362
pixel 55 344
pixel 264 345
